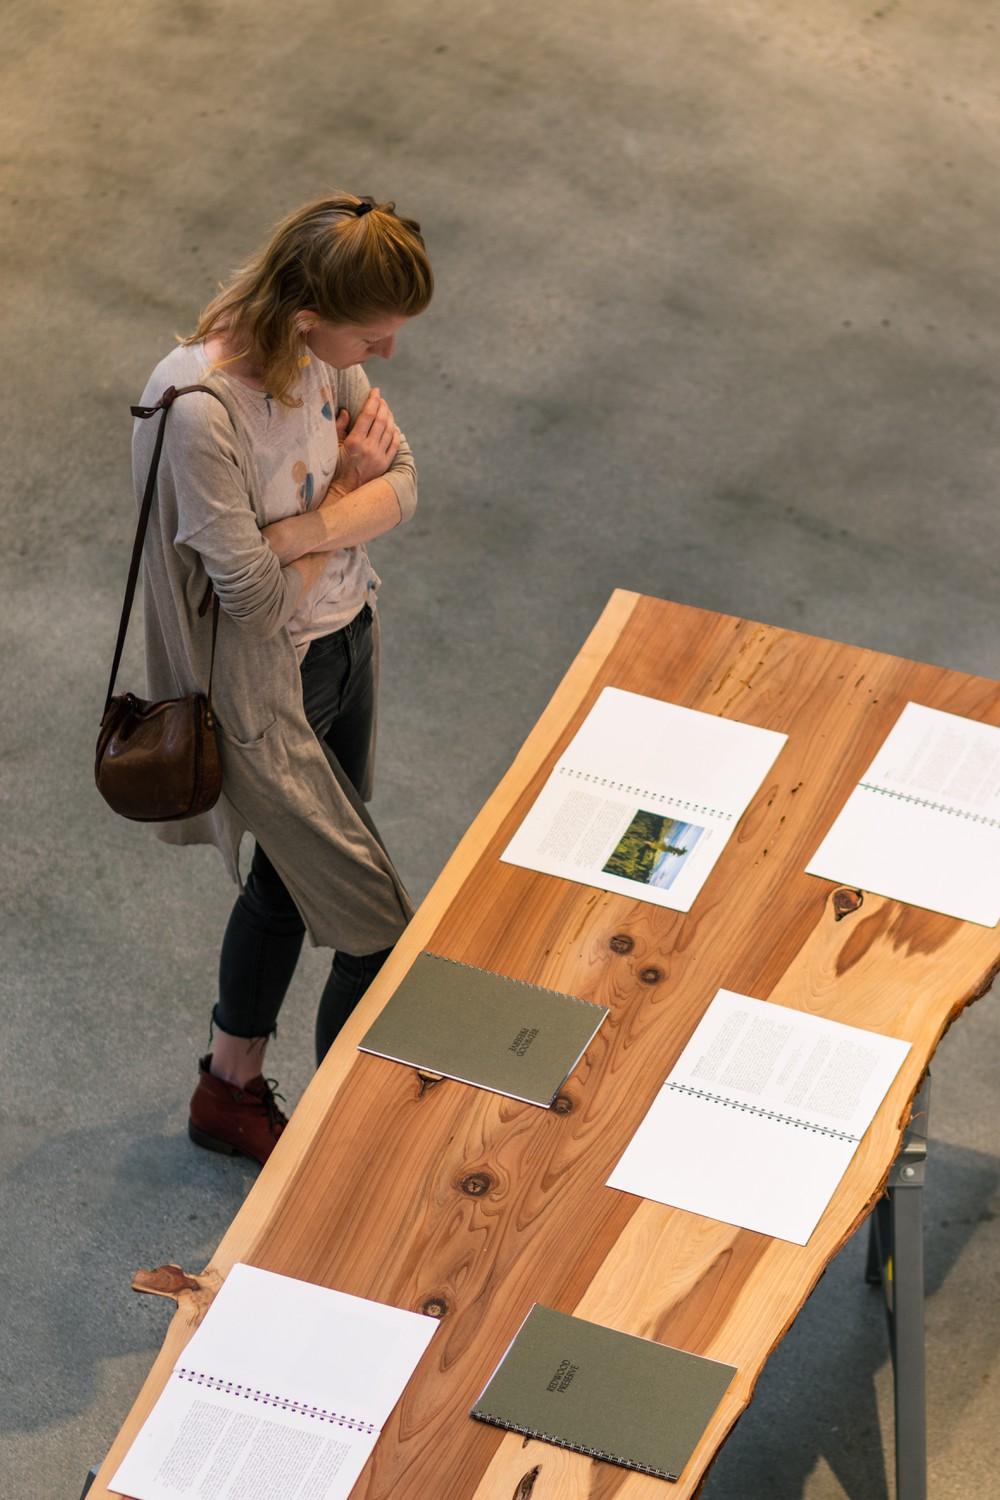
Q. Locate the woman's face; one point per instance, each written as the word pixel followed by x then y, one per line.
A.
pixel 344 344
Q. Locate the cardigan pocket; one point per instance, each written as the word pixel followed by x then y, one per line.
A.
pixel 256 771
pixel 265 777
pixel 252 741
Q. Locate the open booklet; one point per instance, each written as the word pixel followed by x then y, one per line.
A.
pixel 923 824
pixel 280 1394
pixel 644 798
pixel 759 1119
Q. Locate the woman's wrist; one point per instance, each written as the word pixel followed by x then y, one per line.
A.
pixel 295 536
pixel 343 518
pixel 327 519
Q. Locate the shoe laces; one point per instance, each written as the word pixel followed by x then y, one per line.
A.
pixel 275 1116
pixel 268 1098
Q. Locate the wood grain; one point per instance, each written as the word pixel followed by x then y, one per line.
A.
pixel 472 1206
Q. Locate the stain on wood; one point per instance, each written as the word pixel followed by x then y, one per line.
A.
pixel 862 938
pixel 918 931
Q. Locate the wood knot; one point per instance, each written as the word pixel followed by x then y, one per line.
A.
pixel 476 1184
pixel 562 1104
pixel 428 1081
pixel 621 943
pixel 526 1484
pixel 845 901
pixel 652 975
pixel 435 1307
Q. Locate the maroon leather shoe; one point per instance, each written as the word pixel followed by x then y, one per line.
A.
pixel 237 1121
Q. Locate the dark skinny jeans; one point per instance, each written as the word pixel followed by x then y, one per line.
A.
pixel 263 938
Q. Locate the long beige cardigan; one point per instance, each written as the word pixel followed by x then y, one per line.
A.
pixel 279 782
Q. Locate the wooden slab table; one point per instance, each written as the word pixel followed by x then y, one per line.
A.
pixel 468 1205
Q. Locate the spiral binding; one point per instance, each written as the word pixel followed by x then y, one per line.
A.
pixel 647 793
pixel 767 1114
pixel 953 812
pixel 548 1437
pixel 268 1398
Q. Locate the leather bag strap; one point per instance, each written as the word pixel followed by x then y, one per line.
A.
pixel 162 406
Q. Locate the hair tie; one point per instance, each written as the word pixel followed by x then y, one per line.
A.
pixel 362 208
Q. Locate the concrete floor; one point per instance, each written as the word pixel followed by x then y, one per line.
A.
pixel 718 320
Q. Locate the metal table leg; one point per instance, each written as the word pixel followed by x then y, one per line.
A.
pixel 89 1481
pixel 896 1260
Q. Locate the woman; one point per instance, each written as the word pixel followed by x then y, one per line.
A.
pixel 268 494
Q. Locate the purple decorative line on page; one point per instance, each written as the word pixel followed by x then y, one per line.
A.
pixel 282 1403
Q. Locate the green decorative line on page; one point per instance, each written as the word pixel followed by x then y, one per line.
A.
pixel 953 812
pixel 767 1114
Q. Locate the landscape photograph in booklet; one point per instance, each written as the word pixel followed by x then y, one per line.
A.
pixel 653 849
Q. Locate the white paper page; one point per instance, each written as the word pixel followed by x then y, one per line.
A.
pixel 575 832
pixel 923 825
pixel 914 854
pixel 718 1140
pixel 745 1170
pixel 648 788
pixel 943 758
pixel 201 1443
pixel 274 1363
pixel 821 1072
pixel 309 1343
pixel 714 763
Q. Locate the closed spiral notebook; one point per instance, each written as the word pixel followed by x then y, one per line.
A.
pixel 483 1028
pixel 609 1395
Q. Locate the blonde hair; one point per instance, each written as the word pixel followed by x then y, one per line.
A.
pixel 328 258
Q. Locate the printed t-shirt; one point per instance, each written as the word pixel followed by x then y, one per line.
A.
pixel 296 450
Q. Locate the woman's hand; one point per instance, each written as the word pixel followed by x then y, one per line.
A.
pixel 367 448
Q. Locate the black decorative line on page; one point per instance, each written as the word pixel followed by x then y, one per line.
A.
pixel 271 1398
pixel 767 1114
pixel 548 1437
pixel 953 812
pixel 524 983
pixel 646 792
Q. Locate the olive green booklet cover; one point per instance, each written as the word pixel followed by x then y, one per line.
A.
pixel 485 1029
pixel 607 1394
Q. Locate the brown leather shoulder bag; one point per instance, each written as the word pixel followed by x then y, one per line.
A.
pixel 157 762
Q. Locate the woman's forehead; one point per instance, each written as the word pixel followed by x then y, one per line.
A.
pixel 379 328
